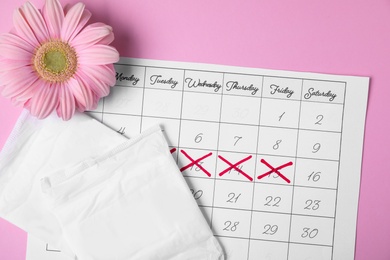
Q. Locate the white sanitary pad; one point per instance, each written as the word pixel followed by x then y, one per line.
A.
pixel 116 199
pixel 36 148
pixel 130 203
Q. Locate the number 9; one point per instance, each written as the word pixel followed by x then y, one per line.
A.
pixel 316 147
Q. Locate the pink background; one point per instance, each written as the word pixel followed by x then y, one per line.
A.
pixel 336 36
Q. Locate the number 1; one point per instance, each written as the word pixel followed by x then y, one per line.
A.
pixel 280 117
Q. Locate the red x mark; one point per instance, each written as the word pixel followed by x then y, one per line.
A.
pixel 234 166
pixel 275 170
pixel 196 162
pixel 173 150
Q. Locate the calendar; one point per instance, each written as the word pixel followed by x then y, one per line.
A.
pixel 271 157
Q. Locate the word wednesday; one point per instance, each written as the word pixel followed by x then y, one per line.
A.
pixel 197 83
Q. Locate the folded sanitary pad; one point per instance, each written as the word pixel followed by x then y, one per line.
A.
pixel 90 192
pixel 130 203
pixel 36 148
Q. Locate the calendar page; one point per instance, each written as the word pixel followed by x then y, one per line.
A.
pixel 272 157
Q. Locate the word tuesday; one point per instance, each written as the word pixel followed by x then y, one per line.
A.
pixel 158 79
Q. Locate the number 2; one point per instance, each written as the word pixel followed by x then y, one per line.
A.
pixel 319 119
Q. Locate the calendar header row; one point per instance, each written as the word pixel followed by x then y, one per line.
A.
pixel 230 84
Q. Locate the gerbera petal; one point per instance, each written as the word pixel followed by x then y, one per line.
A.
pixel 107 40
pixel 17 41
pixel 54 17
pixel 66 106
pixel 91 35
pixel 29 91
pixel 81 92
pixel 36 21
pixel 10 91
pixel 98 55
pixel 75 20
pixel 12 52
pixel 67 8
pixel 97 86
pixel 45 100
pixel 104 73
pixel 8 65
pixel 16 81
pixel 95 102
pixel 23 28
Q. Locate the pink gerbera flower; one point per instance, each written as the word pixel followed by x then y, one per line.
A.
pixel 52 61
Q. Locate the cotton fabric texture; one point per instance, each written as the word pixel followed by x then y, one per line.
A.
pixel 35 149
pixel 130 203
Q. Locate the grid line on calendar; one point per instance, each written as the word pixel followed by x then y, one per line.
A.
pixel 227 123
pixel 276 212
pixel 293 183
pixel 254 183
pixel 216 160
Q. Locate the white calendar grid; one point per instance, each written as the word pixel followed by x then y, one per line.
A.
pixel 242 126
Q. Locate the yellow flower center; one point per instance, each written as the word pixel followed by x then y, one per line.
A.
pixel 55 61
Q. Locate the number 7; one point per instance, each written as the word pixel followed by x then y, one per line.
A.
pixel 238 139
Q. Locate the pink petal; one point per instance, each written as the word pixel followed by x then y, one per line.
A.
pixel 36 21
pixel 109 38
pixel 12 52
pixel 23 29
pixel 75 20
pixel 17 41
pixel 97 86
pixel 29 92
pixel 81 92
pixel 66 106
pixel 98 55
pixel 95 102
pixel 104 73
pixel 18 93
pixel 91 35
pixel 17 81
pixel 45 100
pixel 8 65
pixel 67 8
pixel 54 17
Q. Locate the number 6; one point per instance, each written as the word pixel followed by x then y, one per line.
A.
pixel 198 138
